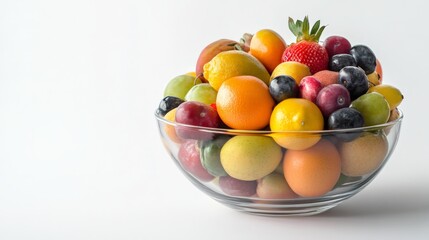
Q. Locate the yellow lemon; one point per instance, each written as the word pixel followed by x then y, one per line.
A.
pixel 233 63
pixel 296 114
pixel 392 95
pixel 294 69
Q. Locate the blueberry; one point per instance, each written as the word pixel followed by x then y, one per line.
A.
pixel 283 87
pixel 355 80
pixel 365 58
pixel 338 61
pixel 168 103
pixel 346 118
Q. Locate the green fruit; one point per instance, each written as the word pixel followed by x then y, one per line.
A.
pixel 373 107
pixel 210 155
pixel 180 85
pixel 202 92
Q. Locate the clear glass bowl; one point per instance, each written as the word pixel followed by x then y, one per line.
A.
pixel 200 161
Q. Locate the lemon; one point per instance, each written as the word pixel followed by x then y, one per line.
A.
pixel 295 70
pixel 392 95
pixel 296 114
pixel 233 63
pixel 250 158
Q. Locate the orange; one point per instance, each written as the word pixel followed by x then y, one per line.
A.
pixel 169 129
pixel 296 114
pixel 294 69
pixel 268 47
pixel 379 70
pixel 244 102
pixel 314 171
pixel 233 63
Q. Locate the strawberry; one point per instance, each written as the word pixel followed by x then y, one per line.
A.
pixel 307 49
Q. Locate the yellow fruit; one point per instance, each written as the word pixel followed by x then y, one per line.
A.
pixel 392 95
pixel 374 79
pixel 294 69
pixel 250 157
pixel 363 155
pixel 296 114
pixel 169 129
pixel 233 63
pixel 192 74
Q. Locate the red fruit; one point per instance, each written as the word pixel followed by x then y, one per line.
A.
pixel 309 88
pixel 189 158
pixel 307 49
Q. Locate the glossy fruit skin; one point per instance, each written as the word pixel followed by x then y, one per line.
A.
pixel 283 87
pixel 313 172
pixel 210 155
pixel 336 45
pixel 244 102
pixel 346 118
pixel 365 58
pixel 196 114
pixel 168 103
pixel 339 61
pixel 234 63
pixel 238 188
pixel 355 80
pixel 189 158
pixel 267 46
pixel 309 53
pixel 202 92
pixel 392 94
pixel 210 51
pixel 373 107
pixel 332 98
pixel 296 70
pixel 309 88
pixel 180 85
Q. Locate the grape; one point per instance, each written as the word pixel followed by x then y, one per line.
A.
pixel 189 158
pixel 332 98
pixel 235 187
pixel 197 114
pixel 338 61
pixel 336 45
pixel 309 87
pixel 373 107
pixel 346 118
pixel 365 58
pixel 283 87
pixel 180 85
pixel 210 155
pixel 168 103
pixel 202 92
pixel 355 80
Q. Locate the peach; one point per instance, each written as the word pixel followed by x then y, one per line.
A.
pixel 326 77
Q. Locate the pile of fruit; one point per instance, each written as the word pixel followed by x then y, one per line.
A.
pixel 262 83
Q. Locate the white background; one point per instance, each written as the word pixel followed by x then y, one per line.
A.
pixel 80 155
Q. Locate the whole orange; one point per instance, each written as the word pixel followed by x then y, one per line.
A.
pixel 312 172
pixel 268 47
pixel 244 102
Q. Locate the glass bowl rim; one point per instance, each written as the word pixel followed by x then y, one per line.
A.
pixel 239 131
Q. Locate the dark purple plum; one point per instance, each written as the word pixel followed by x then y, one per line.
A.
pixel 309 87
pixel 346 118
pixel 336 45
pixel 235 187
pixel 355 80
pixel 168 103
pixel 339 61
pixel 332 98
pixel 196 114
pixel 283 87
pixel 365 58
